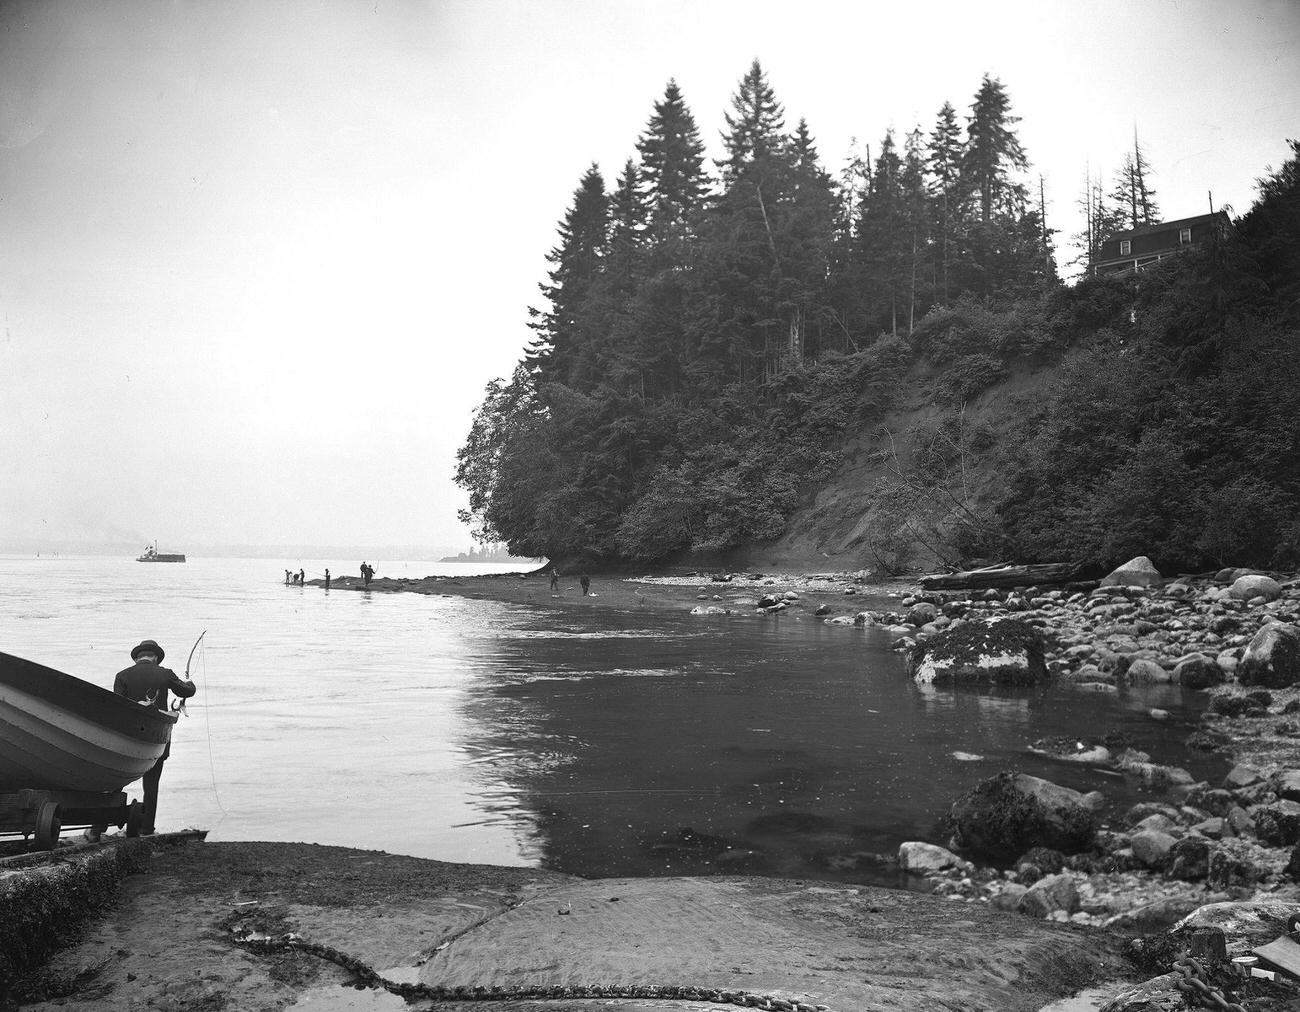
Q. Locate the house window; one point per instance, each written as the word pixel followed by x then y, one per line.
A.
pixel 1184 236
pixel 1125 247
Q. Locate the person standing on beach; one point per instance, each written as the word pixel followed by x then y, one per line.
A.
pixel 555 578
pixel 585 580
pixel 327 579
pixel 302 576
pixel 146 681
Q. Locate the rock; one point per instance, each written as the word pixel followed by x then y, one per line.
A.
pixel 1159 994
pixel 1213 827
pixel 1004 816
pixel 919 858
pixel 1189 859
pixel 1008 897
pixel 1272 658
pixel 1157 822
pixel 1139 572
pixel 1241 776
pixel 1144 809
pixel 1196 671
pixel 920 614
pixel 1048 895
pixel 711 609
pixel 1004 652
pixel 1246 588
pixel 1158 915
pixel 1278 824
pixel 822 609
pixel 1240 821
pixel 1151 847
pixel 1254 920
pixel 1234 864
pixel 1147 672
pixel 1292 869
pixel 1287 784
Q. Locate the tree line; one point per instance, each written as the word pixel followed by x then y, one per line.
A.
pixel 711 330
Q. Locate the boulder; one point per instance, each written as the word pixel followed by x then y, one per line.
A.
pixel 1147 672
pixel 920 614
pixel 1247 588
pixel 1159 994
pixel 919 858
pixel 1241 776
pixel 1139 572
pixel 1287 784
pixel 1234 864
pixel 1272 657
pixel 1048 895
pixel 1197 671
pixel 1278 824
pixel 1002 817
pixel 1189 859
pixel 1151 847
pixel 1008 896
pixel 1254 921
pixel 1004 652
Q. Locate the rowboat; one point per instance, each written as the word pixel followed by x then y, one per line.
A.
pixel 58 732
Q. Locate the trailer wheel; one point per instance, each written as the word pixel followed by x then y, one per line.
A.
pixel 134 818
pixel 47 825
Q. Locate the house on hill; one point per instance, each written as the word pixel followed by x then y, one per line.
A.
pixel 1141 247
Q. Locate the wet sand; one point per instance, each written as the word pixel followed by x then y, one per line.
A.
pixel 169 943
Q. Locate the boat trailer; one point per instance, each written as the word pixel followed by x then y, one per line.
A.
pixel 44 814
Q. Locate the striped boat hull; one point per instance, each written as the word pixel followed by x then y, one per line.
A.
pixel 58 732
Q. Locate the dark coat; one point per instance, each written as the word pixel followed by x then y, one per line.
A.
pixel 141 680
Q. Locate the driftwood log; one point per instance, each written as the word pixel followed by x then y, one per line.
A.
pixel 1005 577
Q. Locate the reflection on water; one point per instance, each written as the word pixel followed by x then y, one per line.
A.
pixel 602 744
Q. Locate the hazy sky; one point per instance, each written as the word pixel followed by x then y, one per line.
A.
pixel 259 259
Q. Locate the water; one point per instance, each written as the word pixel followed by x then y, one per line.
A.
pixel 602 743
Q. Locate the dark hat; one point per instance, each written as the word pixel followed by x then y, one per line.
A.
pixel 147 647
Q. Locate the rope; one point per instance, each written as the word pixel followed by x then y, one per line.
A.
pixel 546 992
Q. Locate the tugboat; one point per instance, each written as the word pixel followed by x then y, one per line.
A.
pixel 151 554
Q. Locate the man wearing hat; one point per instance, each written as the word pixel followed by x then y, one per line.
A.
pixel 146 681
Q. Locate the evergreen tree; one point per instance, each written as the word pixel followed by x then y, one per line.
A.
pixel 993 153
pixel 576 261
pixel 1132 195
pixel 754 127
pixel 916 214
pixel 993 158
pixel 672 159
pixel 884 238
pixel 944 169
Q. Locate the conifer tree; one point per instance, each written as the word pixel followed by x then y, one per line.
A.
pixel 1133 195
pixel 990 167
pixel 576 261
pixel 883 237
pixel 993 153
pixel 672 159
pixel 754 127
pixel 944 169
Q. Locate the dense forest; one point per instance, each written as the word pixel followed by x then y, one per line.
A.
pixel 714 334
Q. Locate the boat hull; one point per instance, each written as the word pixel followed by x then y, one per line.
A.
pixel 160 558
pixel 58 732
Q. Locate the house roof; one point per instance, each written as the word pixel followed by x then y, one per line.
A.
pixel 1166 226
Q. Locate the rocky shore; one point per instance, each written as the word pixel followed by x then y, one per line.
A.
pixel 1196 856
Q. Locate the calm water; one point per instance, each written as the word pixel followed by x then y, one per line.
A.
pixel 606 743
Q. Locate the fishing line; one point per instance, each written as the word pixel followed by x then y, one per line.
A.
pixel 207 723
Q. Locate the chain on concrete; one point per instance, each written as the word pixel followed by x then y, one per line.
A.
pixel 437 992
pixel 1197 990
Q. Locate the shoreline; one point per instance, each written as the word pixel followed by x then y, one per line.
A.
pixel 395 912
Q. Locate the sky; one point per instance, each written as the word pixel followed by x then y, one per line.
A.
pixel 258 260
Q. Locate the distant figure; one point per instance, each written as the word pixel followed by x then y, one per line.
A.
pixel 302 576
pixel 367 573
pixel 585 580
pixel 327 579
pixel 286 577
pixel 555 578
pixel 147 682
